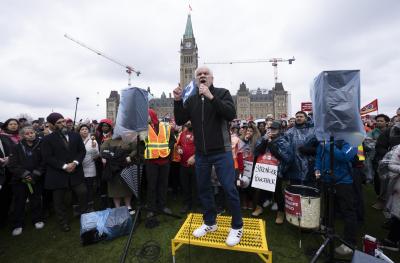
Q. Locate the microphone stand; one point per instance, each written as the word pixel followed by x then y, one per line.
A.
pixel 139 206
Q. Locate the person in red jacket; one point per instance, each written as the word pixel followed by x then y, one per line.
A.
pixel 187 150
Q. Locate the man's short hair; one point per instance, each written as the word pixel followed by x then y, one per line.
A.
pixel 302 112
pixel 384 116
pixel 203 67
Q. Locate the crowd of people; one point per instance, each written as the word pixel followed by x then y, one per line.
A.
pixel 41 162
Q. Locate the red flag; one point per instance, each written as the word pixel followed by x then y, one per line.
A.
pixel 190 8
pixel 371 107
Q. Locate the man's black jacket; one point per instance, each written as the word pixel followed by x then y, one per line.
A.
pixel 56 152
pixel 210 120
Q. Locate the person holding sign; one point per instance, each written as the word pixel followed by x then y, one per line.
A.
pixel 272 151
pixel 210 112
pixel 246 148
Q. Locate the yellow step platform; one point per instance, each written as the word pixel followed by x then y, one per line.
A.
pixel 253 240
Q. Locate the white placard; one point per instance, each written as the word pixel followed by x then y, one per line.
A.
pixel 264 176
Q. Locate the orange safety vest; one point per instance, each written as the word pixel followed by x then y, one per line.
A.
pixel 157 146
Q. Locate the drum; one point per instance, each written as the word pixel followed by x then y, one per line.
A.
pixel 302 206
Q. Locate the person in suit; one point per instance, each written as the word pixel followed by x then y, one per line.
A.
pixel 63 152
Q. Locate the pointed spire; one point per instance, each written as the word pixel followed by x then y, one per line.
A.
pixel 189 28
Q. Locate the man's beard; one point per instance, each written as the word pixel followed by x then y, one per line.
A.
pixel 63 130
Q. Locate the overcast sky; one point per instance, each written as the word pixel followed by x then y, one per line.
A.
pixel 42 71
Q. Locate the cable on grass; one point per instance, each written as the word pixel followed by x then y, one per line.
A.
pixel 150 251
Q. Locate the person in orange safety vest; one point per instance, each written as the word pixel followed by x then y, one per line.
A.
pixel 159 143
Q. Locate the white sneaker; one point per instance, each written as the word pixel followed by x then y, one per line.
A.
pixel 17 231
pixel 234 237
pixel 131 211
pixel 204 229
pixel 267 203
pixel 274 207
pixel 39 225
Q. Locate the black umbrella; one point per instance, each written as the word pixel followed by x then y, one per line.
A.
pixel 130 176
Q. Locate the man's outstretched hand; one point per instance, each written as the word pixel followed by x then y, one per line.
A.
pixel 178 93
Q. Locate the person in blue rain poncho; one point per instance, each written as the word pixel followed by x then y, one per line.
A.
pixel 343 154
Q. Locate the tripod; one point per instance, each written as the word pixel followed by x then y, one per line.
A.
pixel 329 196
pixel 139 206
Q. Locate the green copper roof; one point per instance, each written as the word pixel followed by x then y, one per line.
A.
pixel 189 28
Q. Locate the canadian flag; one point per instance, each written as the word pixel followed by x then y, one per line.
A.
pixel 371 107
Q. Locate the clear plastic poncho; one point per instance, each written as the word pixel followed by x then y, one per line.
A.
pixel 300 167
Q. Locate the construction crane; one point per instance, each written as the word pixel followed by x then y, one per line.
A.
pixel 274 62
pixel 128 69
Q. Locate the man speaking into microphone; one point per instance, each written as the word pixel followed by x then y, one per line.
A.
pixel 210 112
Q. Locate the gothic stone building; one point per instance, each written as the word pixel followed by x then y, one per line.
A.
pixel 259 103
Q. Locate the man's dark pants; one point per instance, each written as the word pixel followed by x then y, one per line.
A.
pixel 157 185
pixel 223 163
pixel 344 198
pixel 59 203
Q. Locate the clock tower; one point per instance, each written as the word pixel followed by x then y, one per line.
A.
pixel 189 55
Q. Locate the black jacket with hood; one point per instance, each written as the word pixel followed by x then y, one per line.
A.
pixel 27 160
pixel 210 120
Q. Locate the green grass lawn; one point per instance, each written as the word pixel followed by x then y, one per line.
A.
pixel 52 245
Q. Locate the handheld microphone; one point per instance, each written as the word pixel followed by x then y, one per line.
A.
pixel 202 82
